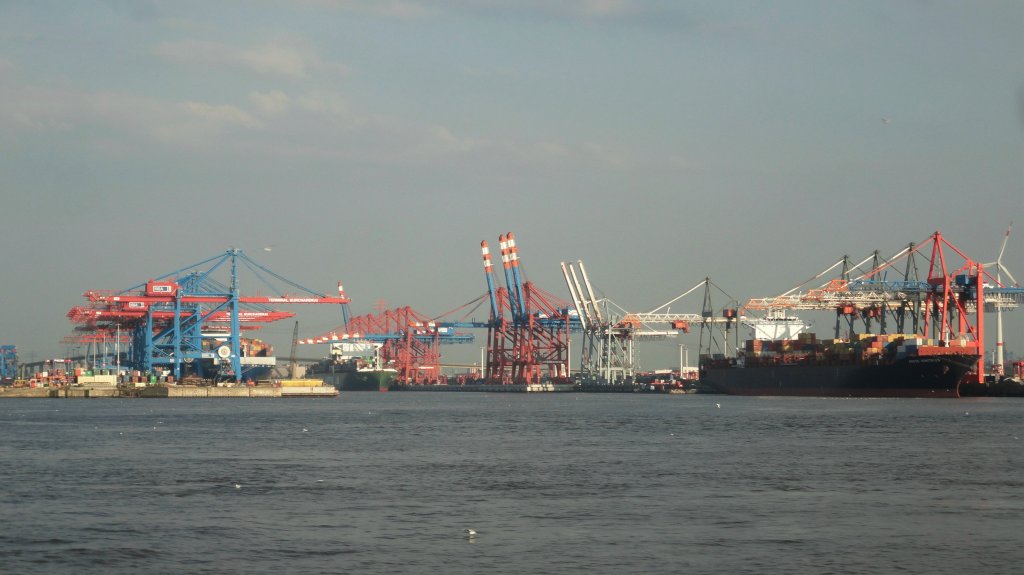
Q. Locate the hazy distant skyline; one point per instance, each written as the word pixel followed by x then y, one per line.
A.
pixel 378 142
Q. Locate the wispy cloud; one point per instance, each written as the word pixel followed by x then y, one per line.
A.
pixel 221 114
pixel 291 58
pixel 315 124
pixel 271 103
pixel 392 9
pixel 136 9
pixel 660 12
pixel 31 110
pixel 326 103
pixel 592 10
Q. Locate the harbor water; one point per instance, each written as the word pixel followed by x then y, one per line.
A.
pixel 551 483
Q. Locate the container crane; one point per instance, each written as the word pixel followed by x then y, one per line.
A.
pixel 8 364
pixel 610 333
pixel 190 317
pixel 528 329
pixel 293 364
pixel 947 304
pixel 402 338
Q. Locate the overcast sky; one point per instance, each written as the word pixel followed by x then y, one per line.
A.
pixel 379 142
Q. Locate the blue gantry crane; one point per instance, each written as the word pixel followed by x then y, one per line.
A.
pixel 193 318
pixel 8 363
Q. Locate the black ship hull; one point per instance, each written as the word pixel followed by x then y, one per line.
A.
pixel 362 380
pixel 928 376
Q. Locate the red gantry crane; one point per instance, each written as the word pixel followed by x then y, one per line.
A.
pixel 947 305
pixel 528 329
pixel 400 339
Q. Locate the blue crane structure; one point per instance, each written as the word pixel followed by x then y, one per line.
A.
pixel 8 363
pixel 189 317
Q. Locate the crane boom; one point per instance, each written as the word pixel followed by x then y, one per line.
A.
pixel 576 300
pixel 590 291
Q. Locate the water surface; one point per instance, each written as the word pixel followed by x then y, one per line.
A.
pixel 554 483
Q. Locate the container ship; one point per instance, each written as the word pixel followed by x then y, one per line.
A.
pixel 354 374
pixel 867 366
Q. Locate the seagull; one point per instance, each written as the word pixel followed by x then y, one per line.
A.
pixel 304 430
pixel 718 405
pixel 237 486
pixel 884 120
pixel 469 533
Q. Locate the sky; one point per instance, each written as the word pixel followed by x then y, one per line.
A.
pixel 378 142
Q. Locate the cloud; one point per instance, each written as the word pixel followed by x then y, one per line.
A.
pixel 658 13
pixel 223 115
pixel 393 9
pixel 272 103
pixel 315 124
pixel 650 11
pixel 33 109
pixel 601 8
pixel 116 121
pixel 135 9
pixel 286 58
pixel 330 104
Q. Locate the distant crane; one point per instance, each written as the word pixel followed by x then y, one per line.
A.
pixel 610 333
pixel 293 364
pixel 189 317
pixel 947 304
pixel 8 363
pixel 528 329
pixel 401 339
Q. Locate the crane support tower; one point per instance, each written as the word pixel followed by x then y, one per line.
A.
pixel 8 364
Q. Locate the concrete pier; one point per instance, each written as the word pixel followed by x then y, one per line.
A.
pixel 520 388
pixel 170 391
pixel 182 391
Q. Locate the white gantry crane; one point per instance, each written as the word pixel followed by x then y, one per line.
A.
pixel 610 333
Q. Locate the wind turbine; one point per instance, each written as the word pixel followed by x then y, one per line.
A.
pixel 1000 268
